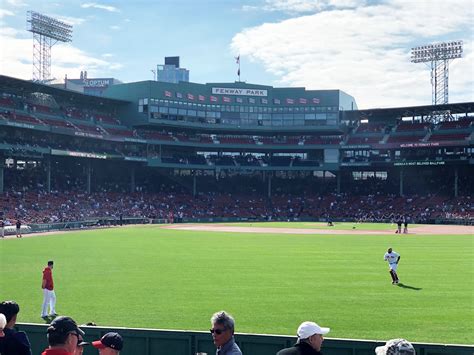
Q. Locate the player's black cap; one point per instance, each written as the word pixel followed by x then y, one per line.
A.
pixel 63 325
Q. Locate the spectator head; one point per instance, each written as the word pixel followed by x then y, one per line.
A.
pixel 64 333
pixel 396 347
pixel 10 309
pixel 311 333
pixel 222 328
pixel 110 344
pixel 3 323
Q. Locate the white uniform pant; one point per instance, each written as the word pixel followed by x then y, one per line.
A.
pixel 393 266
pixel 49 299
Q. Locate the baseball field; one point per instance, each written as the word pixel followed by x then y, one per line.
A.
pixel 270 276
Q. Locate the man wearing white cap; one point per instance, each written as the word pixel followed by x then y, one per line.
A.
pixel 310 339
pixel 396 347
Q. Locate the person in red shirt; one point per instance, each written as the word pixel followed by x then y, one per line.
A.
pixel 49 297
pixel 64 337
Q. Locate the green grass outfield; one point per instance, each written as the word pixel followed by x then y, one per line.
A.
pixel 158 278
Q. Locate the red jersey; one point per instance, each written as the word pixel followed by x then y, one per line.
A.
pixel 48 276
pixel 56 352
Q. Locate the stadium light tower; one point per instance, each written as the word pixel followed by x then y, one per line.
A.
pixel 47 31
pixel 438 55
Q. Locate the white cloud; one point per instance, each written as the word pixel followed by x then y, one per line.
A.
pixel 16 58
pixel 115 27
pixel 16 3
pixel 303 6
pixel 364 51
pixel 4 13
pixel 108 55
pixel 99 6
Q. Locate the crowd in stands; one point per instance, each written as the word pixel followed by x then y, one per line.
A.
pixel 26 199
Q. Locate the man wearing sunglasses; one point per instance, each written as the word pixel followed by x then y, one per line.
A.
pixel 64 337
pixel 223 334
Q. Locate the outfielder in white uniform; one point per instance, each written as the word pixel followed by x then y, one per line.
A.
pixel 393 258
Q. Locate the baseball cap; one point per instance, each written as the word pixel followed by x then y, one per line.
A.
pixel 3 321
pixel 396 347
pixel 306 329
pixel 111 340
pixel 64 325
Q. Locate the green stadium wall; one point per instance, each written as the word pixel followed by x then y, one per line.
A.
pixel 175 342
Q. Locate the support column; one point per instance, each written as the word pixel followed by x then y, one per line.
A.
pixel 89 173
pixel 2 189
pixel 269 190
pixel 48 175
pixel 132 179
pixel 194 184
pixel 338 181
pixel 456 177
pixel 401 182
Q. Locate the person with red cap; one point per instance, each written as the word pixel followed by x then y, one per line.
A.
pixel 110 344
pixel 310 340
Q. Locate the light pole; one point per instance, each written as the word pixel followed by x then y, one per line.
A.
pixel 438 55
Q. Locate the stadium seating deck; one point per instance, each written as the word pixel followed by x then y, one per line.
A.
pixel 409 126
pixel 448 137
pixel 364 140
pixel 405 138
pixel 459 124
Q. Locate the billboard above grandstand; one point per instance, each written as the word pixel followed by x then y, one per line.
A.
pixel 241 92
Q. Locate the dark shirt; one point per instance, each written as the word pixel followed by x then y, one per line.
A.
pixel 18 224
pixel 300 349
pixel 14 343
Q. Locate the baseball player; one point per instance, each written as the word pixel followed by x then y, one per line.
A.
pixel 2 228
pixel 399 226
pixel 405 225
pixel 49 297
pixel 393 258
pixel 18 228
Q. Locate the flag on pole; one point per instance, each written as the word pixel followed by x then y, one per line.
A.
pixel 237 59
pixel 238 72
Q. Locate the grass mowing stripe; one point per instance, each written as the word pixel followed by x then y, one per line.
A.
pixel 177 279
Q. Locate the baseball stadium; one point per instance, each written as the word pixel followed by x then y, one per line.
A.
pixel 161 203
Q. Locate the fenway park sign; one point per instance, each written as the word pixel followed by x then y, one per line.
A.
pixel 241 92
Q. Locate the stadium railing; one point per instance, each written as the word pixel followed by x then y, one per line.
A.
pixel 180 342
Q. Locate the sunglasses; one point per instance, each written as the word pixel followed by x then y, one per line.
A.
pixel 217 331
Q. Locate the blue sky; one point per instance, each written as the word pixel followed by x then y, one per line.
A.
pixel 361 47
